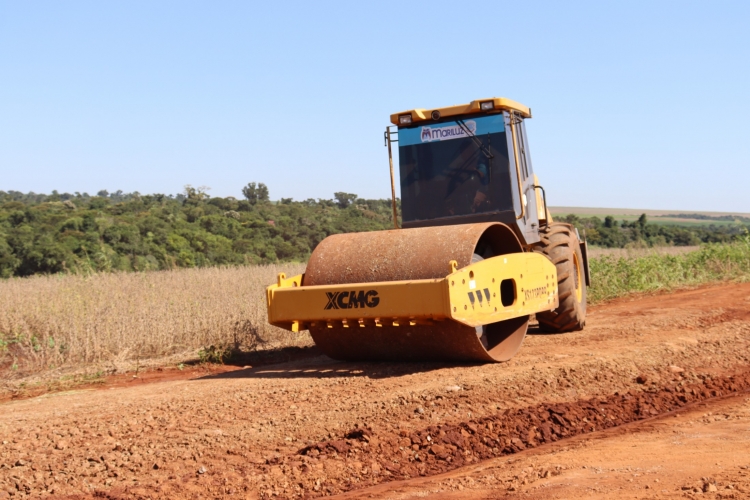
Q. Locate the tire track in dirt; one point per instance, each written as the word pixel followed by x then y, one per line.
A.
pixel 442 448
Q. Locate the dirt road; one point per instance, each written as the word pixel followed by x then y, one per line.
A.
pixel 651 401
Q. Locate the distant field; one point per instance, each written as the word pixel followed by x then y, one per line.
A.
pixel 112 318
pixel 629 253
pixel 654 216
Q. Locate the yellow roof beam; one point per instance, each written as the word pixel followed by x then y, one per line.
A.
pixel 474 107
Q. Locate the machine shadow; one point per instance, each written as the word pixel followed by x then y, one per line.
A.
pixel 322 366
pixel 273 356
pixel 310 362
pixel 535 330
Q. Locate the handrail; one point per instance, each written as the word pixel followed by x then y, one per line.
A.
pixel 544 198
pixel 518 165
pixel 393 181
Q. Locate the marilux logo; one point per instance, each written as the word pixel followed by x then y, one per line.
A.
pixel 354 299
pixel 430 134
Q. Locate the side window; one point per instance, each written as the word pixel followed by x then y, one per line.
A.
pixel 522 149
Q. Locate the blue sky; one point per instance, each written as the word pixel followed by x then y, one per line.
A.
pixel 636 104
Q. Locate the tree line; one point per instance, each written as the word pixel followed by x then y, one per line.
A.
pixel 611 233
pixel 63 232
pixel 133 232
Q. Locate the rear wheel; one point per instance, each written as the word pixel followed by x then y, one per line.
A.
pixel 560 245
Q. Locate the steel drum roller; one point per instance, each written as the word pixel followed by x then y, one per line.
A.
pixel 412 254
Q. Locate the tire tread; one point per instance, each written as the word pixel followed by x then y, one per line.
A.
pixel 559 243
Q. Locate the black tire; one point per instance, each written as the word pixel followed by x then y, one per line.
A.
pixel 560 245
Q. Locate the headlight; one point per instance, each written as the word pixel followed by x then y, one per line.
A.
pixel 404 119
pixel 488 105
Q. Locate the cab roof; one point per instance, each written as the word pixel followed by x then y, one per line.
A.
pixel 474 107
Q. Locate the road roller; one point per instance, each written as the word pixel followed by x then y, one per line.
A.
pixel 474 258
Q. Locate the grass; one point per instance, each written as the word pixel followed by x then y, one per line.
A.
pixel 596 252
pixel 615 276
pixel 106 322
pixel 48 322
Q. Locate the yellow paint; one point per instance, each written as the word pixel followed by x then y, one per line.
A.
pixel 578 277
pixel 421 301
pixel 535 279
pixel 474 107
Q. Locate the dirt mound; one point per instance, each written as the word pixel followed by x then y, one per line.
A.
pixel 437 449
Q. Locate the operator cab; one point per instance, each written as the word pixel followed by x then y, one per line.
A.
pixel 467 164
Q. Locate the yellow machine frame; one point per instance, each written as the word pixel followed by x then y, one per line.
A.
pixel 472 295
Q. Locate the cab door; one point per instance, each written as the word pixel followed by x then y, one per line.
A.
pixel 523 174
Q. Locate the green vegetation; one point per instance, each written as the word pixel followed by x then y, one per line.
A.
pixel 640 233
pixel 81 234
pixel 46 234
pixel 214 354
pixel 614 277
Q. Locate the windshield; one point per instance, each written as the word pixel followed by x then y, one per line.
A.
pixel 446 172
